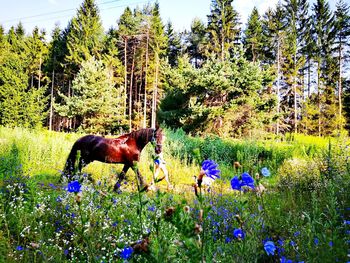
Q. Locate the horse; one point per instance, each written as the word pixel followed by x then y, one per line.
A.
pixel 125 149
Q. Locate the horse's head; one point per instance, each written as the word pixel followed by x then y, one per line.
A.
pixel 158 138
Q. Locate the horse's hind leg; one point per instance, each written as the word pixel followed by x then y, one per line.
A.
pixel 141 183
pixel 121 177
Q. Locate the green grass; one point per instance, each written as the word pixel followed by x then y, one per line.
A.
pixel 304 210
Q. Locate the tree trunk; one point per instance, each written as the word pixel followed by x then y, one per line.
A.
pixel 278 86
pixel 145 95
pixel 154 97
pixel 125 73
pixel 319 97
pixel 69 95
pixel 340 86
pixel 51 102
pixel 130 90
pixel 39 73
pixel 309 78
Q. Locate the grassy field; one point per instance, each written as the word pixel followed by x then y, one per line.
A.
pixel 301 212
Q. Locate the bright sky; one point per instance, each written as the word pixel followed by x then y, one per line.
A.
pixel 45 13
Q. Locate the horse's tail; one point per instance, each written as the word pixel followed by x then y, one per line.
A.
pixel 69 167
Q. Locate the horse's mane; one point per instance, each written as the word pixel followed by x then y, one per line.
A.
pixel 144 135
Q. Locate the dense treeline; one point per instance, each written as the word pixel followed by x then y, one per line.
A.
pixel 285 70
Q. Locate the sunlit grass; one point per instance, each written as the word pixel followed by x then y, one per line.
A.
pixel 306 198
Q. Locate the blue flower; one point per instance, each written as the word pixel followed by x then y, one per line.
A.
pixel 316 242
pixel 235 183
pixel 151 208
pixel 297 233
pixel 247 180
pixel 269 247
pixel 285 260
pixel 19 248
pixel 209 167
pixel 265 172
pixel 238 233
pixel 73 187
pixel 126 253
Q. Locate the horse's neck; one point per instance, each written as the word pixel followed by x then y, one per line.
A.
pixel 142 142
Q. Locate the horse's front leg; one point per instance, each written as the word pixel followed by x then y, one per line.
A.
pixel 141 183
pixel 121 177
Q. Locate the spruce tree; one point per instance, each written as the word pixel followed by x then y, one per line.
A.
pixel 324 37
pixel 197 42
pixel 296 18
pixel 274 25
pixel 2 33
pixel 223 28
pixel 20 105
pixel 158 44
pixel 96 101
pixel 174 44
pixel 85 34
pixel 254 39
pixel 342 42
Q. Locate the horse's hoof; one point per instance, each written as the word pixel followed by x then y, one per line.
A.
pixel 116 187
pixel 152 188
pixel 144 188
pixel 160 179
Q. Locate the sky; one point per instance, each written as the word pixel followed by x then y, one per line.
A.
pixel 46 13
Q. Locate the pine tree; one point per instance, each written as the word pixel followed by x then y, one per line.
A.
pixel 20 31
pixel 20 105
pixel 197 42
pixel 342 44
pixel 223 28
pixel 254 38
pixel 95 101
pixel 274 25
pixel 127 31
pixel 296 18
pixel 85 34
pixel 37 53
pixel 158 43
pixel 2 34
pixel 174 44
pixel 324 36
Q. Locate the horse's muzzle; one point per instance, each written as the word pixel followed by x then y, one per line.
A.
pixel 158 149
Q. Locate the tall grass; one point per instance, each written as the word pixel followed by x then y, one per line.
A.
pixel 305 210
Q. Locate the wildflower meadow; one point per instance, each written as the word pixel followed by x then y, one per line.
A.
pixel 230 201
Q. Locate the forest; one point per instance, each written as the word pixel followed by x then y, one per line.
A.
pixel 284 71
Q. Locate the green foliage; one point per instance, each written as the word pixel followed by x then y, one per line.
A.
pixel 19 105
pixel 85 34
pixel 95 99
pixel 174 44
pixel 197 42
pixel 216 97
pixel 223 29
pixel 254 38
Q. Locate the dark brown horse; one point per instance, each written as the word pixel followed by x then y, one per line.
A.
pixel 125 149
